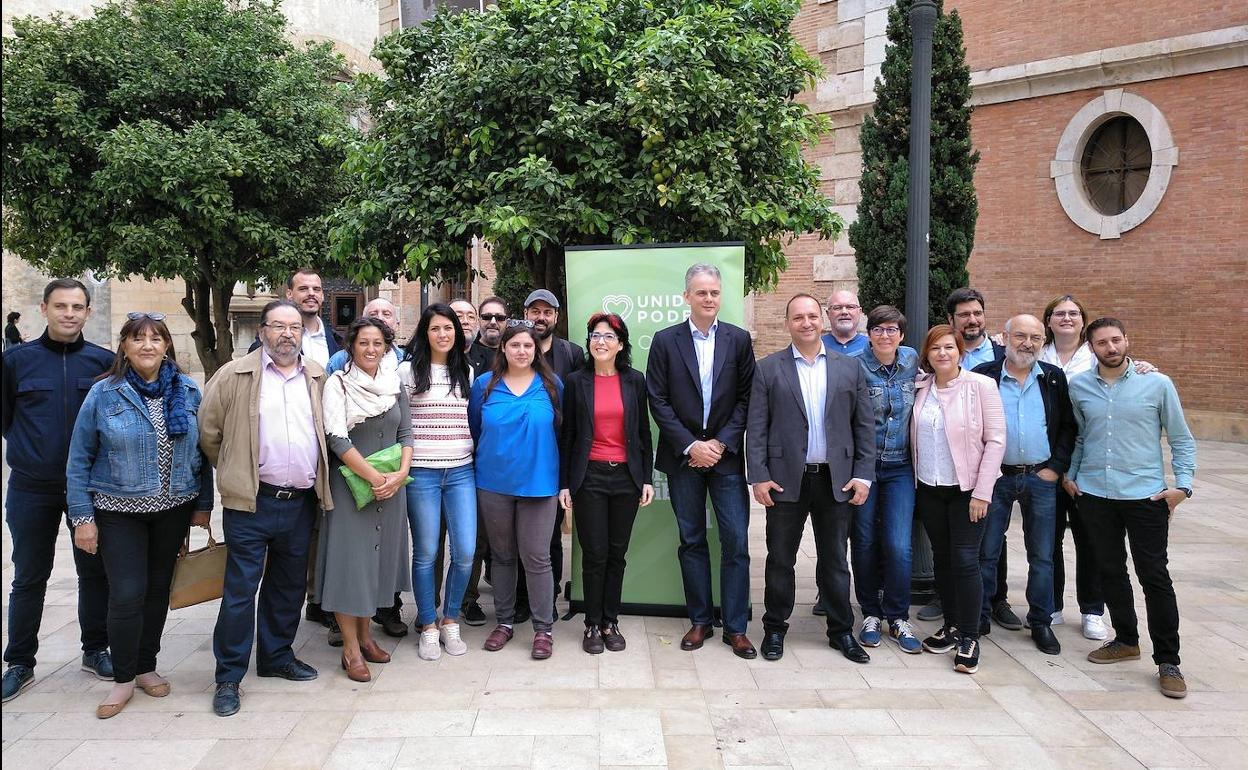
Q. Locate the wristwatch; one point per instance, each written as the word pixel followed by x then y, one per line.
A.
pixel 1187 491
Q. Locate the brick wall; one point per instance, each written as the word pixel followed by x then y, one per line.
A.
pixel 1178 280
pixel 1000 32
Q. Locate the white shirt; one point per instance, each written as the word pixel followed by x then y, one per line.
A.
pixel 813 379
pixel 704 349
pixel 934 462
pixel 1080 362
pixel 314 345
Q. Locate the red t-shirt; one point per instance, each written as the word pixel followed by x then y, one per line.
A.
pixel 608 443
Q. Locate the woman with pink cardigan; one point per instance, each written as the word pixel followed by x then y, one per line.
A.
pixel 957 438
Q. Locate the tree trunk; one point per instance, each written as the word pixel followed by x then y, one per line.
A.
pixel 208 305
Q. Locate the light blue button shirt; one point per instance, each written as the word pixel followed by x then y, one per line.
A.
pixel 982 354
pixel 813 379
pixel 704 349
pixel 1118 451
pixel 1026 427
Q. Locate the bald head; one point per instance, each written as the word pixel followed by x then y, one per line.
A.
pixel 844 313
pixel 1024 336
pixel 383 310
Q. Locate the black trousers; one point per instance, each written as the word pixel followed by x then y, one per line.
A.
pixel 786 522
pixel 1087 569
pixel 946 515
pixel 139 552
pixel 605 507
pixel 1145 524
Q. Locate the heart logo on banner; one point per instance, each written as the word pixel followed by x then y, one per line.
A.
pixel 619 304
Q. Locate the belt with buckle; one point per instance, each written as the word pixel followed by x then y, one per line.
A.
pixel 281 493
pixel 815 467
pixel 1021 470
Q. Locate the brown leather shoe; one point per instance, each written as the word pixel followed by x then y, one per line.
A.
pixel 500 636
pixel 373 653
pixel 356 670
pixel 740 645
pixel 695 637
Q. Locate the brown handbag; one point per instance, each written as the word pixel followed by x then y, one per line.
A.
pixel 199 575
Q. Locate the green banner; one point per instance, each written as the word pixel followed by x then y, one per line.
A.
pixel 644 285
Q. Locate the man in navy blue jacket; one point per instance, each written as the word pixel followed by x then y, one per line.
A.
pixel 44 384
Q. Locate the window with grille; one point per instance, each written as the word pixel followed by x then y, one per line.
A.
pixel 1116 164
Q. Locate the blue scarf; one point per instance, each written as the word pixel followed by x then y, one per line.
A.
pixel 167 387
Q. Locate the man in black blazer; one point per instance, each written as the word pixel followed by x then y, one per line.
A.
pixel 698 376
pixel 811 449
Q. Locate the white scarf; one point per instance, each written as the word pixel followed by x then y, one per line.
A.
pixel 352 396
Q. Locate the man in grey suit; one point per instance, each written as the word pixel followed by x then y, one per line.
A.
pixel 810 449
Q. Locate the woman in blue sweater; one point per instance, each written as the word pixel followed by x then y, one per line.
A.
pixel 513 412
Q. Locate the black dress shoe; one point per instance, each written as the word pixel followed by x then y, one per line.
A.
pixel 1045 641
pixel 1003 613
pixel 225 702
pixel 850 648
pixel 295 671
pixel 391 622
pixel 773 645
pixel 314 614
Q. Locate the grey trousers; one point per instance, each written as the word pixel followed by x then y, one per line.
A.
pixel 519 528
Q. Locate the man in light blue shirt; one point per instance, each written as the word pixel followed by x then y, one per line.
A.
pixel 383 310
pixel 1117 473
pixel 845 315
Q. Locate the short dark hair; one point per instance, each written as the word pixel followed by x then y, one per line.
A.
pixel 624 358
pixel 65 283
pixel 358 325
pixel 883 314
pixel 1103 322
pixel 492 301
pixel 290 282
pixel 964 294
pixel 274 305
pixel 13 316
pixel 801 295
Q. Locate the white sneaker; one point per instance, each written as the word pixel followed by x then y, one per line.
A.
pixel 1057 619
pixel 1094 628
pixel 428 648
pixel 449 636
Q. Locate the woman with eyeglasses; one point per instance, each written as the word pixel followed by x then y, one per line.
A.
pixel 443 492
pixel 135 481
pixel 880 538
pixel 514 414
pixel 606 472
pixel 957 440
pixel 363 557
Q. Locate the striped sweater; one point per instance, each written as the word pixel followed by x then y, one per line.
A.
pixel 439 420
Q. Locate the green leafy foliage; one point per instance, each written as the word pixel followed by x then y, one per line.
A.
pixel 171 139
pixel 549 123
pixel 879 234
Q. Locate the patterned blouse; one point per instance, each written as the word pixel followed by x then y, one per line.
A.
pixel 164 459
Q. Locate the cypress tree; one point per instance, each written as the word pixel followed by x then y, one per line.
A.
pixel 879 235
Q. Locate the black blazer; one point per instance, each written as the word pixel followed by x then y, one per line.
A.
pixel 676 394
pixel 564 357
pixel 577 432
pixel 1059 415
pixel 777 442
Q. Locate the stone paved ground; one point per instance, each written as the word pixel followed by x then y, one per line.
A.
pixel 654 705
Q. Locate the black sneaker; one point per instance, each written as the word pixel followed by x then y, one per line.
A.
pixel 17 678
pixel 391 622
pixel 966 659
pixel 473 615
pixel 1003 613
pixel 942 641
pixel 99 663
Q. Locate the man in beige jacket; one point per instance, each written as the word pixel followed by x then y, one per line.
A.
pixel 261 426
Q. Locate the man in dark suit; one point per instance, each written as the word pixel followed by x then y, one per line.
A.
pixel 698 377
pixel 811 450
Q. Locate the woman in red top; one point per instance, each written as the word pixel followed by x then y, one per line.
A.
pixel 606 470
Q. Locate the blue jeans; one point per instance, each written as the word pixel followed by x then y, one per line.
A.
pixel 35 520
pixel 880 542
pixel 272 544
pixel 436 495
pixel 688 488
pixel 1038 500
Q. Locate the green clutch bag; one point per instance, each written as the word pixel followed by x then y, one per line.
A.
pixel 386 461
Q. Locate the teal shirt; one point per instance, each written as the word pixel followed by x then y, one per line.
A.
pixel 1118 452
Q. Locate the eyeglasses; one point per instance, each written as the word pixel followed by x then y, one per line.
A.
pixel 520 322
pixel 884 331
pixel 137 315
pixel 839 308
pixel 495 317
pixel 603 337
pixel 284 328
pixel 1035 339
pixel 1066 314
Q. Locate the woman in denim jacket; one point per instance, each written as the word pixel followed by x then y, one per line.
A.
pixel 881 526
pixel 135 481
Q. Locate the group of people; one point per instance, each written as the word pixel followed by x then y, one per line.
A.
pixel 483 430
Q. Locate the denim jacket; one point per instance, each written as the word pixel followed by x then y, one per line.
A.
pixel 114 450
pixel 893 398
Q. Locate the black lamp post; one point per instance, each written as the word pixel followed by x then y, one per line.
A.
pixel 918 223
